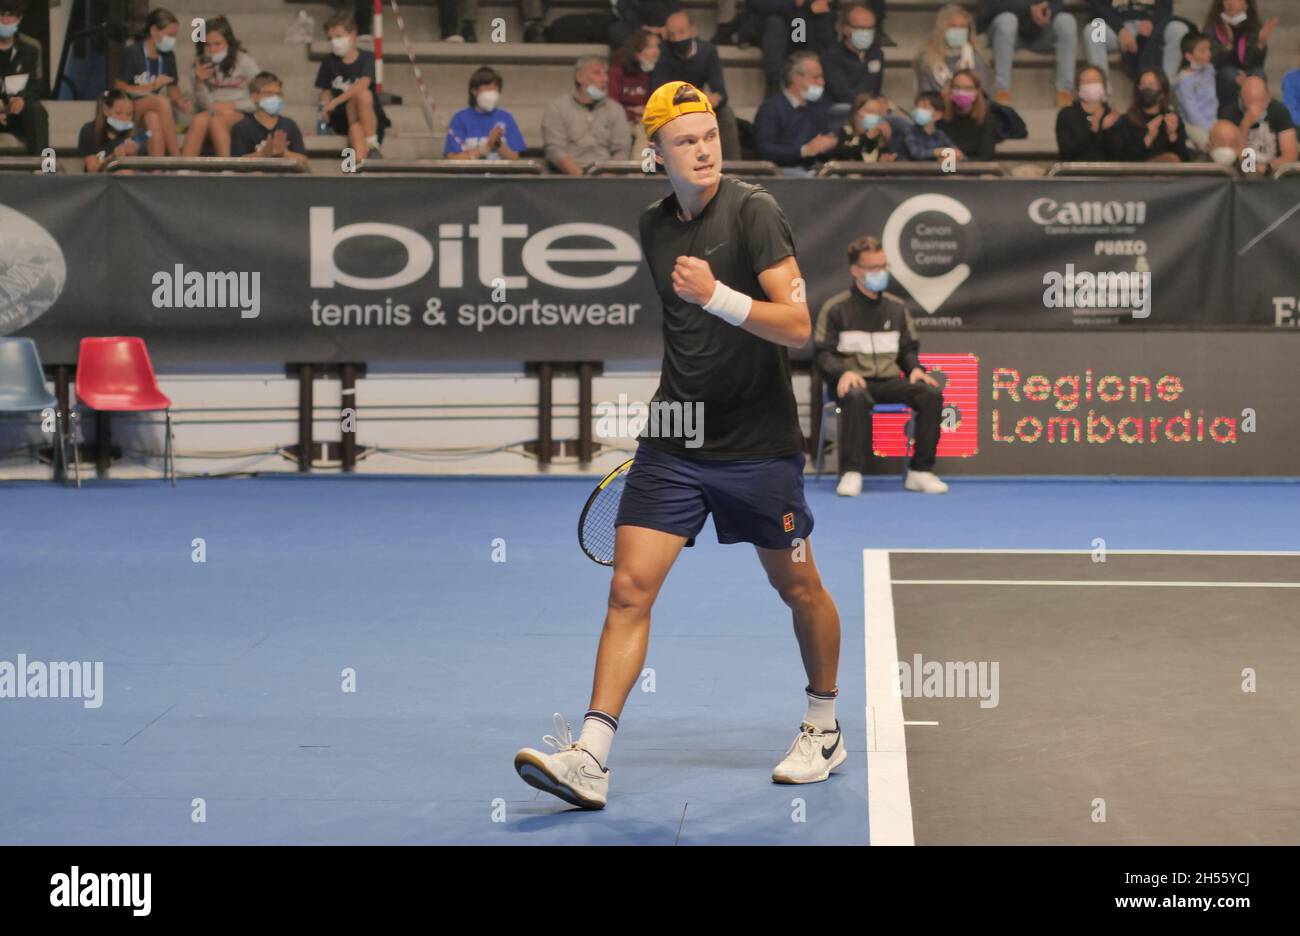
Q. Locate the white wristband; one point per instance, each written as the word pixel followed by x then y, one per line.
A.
pixel 728 304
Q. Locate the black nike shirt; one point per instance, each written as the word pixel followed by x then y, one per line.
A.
pixel 742 380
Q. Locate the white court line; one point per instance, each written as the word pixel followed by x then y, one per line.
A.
pixel 935 723
pixel 1109 552
pixel 1118 583
pixel 889 797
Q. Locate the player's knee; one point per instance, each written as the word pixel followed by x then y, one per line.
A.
pixel 798 594
pixel 627 594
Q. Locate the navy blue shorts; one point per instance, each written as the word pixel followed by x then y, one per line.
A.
pixel 753 500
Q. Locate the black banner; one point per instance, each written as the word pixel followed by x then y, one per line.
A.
pixel 270 269
pixel 1267 228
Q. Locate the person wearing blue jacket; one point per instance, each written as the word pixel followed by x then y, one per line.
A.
pixel 790 126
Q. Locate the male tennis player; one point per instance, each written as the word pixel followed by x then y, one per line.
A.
pixel 723 261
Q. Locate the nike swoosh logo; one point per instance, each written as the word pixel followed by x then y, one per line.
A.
pixel 827 752
pixel 709 250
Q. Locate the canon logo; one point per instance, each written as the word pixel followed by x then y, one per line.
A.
pixel 1049 211
pixel 538 254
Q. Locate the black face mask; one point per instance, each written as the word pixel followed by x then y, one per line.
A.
pixel 681 47
pixel 1149 97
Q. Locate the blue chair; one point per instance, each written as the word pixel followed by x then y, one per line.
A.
pixel 22 390
pixel 831 414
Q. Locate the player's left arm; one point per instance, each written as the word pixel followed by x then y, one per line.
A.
pixel 781 318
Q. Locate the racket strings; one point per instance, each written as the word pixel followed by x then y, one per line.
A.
pixel 598 528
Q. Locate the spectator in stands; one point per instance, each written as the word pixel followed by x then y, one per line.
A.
pixel 483 130
pixel 634 16
pixel 148 74
pixel 1194 90
pixel 1265 123
pixel 1151 130
pixel 1085 131
pixel 777 29
pixel 790 127
pixel 1039 25
pixel 1239 42
pixel 924 141
pixel 686 57
pixel 21 83
pixel 346 82
pixel 222 72
pixel 1225 143
pixel 1291 93
pixel 866 135
pixel 530 11
pixel 949 50
pixel 867 351
pixel 113 132
pixel 1144 32
pixel 584 126
pixel 855 64
pixel 629 80
pixel 967 119
pixel 265 133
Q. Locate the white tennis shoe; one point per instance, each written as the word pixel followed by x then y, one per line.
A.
pixel 926 482
pixel 812 757
pixel 850 484
pixel 572 773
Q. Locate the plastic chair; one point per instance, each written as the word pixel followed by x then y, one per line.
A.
pixel 831 408
pixel 22 390
pixel 115 375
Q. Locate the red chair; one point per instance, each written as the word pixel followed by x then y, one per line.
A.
pixel 115 375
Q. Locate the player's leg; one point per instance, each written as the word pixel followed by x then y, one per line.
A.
pixel 818 749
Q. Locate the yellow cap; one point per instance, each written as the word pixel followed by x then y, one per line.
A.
pixel 666 104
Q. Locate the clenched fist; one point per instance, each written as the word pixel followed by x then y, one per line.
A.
pixel 693 280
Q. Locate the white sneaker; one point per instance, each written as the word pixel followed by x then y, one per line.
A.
pixel 572 773
pixel 927 482
pixel 812 757
pixel 850 484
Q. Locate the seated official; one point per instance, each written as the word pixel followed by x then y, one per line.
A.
pixel 865 342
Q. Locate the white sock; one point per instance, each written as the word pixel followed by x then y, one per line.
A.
pixel 821 710
pixel 373 141
pixel 598 734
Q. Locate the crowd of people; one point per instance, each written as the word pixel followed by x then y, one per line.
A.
pixel 1200 90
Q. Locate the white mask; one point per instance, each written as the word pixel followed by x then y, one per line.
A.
pixel 1224 155
pixel 487 100
pixel 341 44
pixel 646 64
pixel 1234 19
pixel 813 93
pixel 219 57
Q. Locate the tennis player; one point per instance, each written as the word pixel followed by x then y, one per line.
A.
pixel 723 260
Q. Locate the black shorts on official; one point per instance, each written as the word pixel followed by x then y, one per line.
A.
pixel 753 500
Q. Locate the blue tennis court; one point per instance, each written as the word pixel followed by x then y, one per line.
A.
pixel 349 663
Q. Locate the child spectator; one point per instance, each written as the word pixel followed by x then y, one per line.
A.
pixel 346 81
pixel 265 133
pixel 484 129
pixel 1194 90
pixel 1151 131
pixel 924 141
pixel 21 83
pixel 148 75
pixel 947 51
pixel 866 136
pixel 967 119
pixel 1239 42
pixel 113 133
pixel 1085 131
pixel 222 72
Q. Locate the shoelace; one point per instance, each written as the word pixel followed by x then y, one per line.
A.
pixel 564 741
pixel 807 744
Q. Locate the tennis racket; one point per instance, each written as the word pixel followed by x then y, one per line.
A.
pixel 596 525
